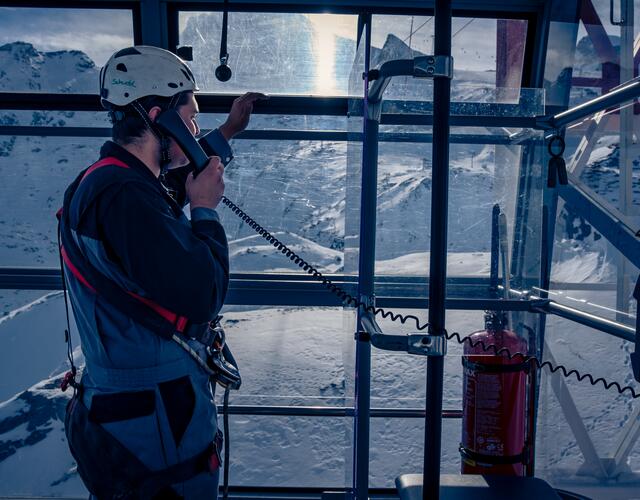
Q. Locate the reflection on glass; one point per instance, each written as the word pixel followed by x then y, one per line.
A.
pixel 296 190
pixel 273 53
pixel 59 50
pixel 486 52
pixel 481 175
pixel 588 55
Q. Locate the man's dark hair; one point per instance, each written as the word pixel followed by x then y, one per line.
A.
pixel 131 127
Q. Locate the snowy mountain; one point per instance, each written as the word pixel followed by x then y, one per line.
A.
pixel 25 69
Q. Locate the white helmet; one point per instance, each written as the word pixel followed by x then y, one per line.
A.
pixel 142 71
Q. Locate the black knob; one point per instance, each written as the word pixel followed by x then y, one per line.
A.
pixel 223 73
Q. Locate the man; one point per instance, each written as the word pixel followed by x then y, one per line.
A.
pixel 140 275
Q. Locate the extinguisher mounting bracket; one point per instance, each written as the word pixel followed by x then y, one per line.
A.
pixel 422 344
pixel 427 345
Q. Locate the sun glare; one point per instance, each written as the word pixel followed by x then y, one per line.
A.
pixel 326 28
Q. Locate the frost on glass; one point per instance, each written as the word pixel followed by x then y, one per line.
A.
pixel 59 50
pixel 273 53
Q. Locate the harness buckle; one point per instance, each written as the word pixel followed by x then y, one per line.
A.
pixel 69 379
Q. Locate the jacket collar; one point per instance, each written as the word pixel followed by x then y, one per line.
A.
pixel 110 148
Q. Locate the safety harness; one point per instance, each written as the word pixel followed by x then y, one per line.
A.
pixel 134 479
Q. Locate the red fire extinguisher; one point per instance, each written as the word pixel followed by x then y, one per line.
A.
pixel 494 402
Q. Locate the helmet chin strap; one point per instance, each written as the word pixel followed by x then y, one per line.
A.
pixel 165 156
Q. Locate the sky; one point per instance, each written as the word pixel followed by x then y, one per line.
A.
pixel 96 32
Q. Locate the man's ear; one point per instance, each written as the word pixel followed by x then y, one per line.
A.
pixel 154 113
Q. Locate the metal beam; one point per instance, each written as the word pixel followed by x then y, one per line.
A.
pixel 605 219
pixel 487 115
pixel 366 285
pixel 153 23
pixel 274 135
pixel 624 93
pixel 330 411
pixel 438 253
pixel 611 327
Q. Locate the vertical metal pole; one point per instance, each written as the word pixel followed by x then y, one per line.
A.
pixel 626 151
pixel 438 260
pixel 368 206
pixel 557 12
pixel 153 14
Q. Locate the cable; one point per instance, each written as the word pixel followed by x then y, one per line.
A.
pixel 351 300
pixel 70 378
pixel 300 262
pixel 467 24
pixel 413 32
pixel 227 445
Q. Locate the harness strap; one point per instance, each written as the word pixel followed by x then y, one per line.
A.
pixel 164 322
pixel 129 378
pixel 206 461
pixel 475 458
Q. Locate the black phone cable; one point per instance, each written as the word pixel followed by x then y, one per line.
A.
pixel 351 300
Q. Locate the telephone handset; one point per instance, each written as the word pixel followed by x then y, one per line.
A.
pixel 198 151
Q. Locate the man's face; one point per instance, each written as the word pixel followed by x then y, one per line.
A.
pixel 188 112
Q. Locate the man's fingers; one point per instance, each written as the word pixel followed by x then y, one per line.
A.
pixel 252 97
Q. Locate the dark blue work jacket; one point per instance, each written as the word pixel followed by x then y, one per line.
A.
pixel 131 231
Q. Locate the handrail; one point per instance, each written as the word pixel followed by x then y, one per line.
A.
pixel 626 92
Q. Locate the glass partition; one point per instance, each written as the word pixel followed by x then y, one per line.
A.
pixel 591 49
pixel 296 190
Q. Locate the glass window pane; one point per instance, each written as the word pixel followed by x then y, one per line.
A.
pixel 294 189
pixel 291 355
pixel 59 50
pixel 397 447
pixel 36 171
pixel 32 405
pixel 601 413
pixel 587 54
pixel 482 174
pixel 312 452
pixel 486 52
pixel 273 53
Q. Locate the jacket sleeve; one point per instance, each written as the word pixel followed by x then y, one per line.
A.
pixel 181 267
